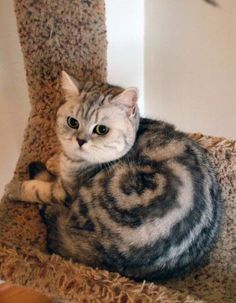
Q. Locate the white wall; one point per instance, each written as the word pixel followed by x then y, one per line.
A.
pixel 125 35
pixel 190 64
pixel 14 104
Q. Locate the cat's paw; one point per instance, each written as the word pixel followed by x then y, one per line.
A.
pixel 13 190
pixel 35 169
pixel 53 165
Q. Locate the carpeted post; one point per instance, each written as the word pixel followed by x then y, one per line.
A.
pixel 56 35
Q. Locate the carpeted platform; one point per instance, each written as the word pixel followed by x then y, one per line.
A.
pixel 71 35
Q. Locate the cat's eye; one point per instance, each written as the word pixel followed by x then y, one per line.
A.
pixel 72 122
pixel 101 130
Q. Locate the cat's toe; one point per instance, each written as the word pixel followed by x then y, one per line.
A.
pixel 35 169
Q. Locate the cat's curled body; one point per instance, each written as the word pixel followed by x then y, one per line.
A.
pixel 151 211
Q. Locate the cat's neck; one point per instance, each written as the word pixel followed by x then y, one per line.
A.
pixel 70 169
pixel 72 166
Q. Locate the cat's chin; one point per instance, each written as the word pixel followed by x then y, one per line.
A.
pixel 74 155
pixel 94 161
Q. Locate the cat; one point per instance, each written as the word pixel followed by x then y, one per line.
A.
pixel 133 195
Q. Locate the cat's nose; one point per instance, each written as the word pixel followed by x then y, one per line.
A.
pixel 81 141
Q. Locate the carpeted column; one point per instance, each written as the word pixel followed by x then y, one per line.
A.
pixel 56 35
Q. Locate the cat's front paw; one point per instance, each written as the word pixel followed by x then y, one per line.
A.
pixel 53 165
pixel 13 190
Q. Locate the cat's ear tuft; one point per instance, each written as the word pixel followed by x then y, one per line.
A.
pixel 69 85
pixel 128 100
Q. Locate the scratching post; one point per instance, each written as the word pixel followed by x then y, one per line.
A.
pixel 71 35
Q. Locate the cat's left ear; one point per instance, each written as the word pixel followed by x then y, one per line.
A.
pixel 128 100
pixel 70 86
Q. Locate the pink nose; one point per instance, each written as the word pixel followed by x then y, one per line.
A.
pixel 80 141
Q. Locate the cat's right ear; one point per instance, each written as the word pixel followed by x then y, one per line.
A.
pixel 69 86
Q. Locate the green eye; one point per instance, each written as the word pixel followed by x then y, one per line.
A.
pixel 101 130
pixel 72 122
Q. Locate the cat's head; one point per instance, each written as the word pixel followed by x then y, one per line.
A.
pixel 98 122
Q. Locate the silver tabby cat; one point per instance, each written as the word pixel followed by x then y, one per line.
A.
pixel 133 195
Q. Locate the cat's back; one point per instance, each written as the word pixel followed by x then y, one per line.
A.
pixel 156 210
pixel 159 144
pixel 161 141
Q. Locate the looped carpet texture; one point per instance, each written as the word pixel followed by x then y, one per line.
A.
pixel 71 35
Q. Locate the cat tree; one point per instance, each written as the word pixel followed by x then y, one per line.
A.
pixel 71 35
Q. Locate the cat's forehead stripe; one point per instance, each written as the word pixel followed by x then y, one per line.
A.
pixel 93 96
pixel 96 116
pixel 102 89
pixel 91 113
pixel 91 105
pixel 78 109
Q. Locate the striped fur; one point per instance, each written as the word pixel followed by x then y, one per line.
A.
pixel 151 211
